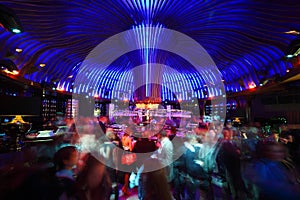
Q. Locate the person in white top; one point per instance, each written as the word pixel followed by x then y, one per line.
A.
pixel 165 154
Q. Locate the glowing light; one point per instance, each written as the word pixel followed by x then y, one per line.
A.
pixel 146 106
pixel 290 56
pixel 15 30
pixel 60 89
pixel 19 50
pixel 42 65
pixel 96 96
pixel 126 99
pixel 148 39
pixel 252 85
pixel 14 72
pixel 287 70
pixel 292 32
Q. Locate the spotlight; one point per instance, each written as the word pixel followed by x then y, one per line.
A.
pixel 9 20
pixel 19 50
pixel 293 32
pixel 15 30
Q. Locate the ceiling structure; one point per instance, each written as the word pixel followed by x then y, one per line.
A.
pixel 245 38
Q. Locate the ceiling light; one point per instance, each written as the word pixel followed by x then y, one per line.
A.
pixel 15 72
pixel 60 89
pixel 251 85
pixel 287 70
pixel 292 32
pixel 42 65
pixel 19 50
pixel 15 30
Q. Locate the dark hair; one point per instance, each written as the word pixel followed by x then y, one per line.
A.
pixel 272 150
pixel 154 183
pixel 63 154
pixel 104 188
pixel 163 133
pixel 226 129
pixel 189 137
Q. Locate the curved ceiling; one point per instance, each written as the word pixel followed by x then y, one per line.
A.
pixel 245 38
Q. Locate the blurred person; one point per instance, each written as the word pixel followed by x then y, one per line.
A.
pixel 153 184
pixel 287 138
pixel 144 145
pixel 229 166
pixel 103 122
pixel 108 154
pixel 65 160
pixel 271 177
pixel 127 161
pixel 190 168
pixel 127 140
pixel 208 152
pixel 93 182
pixel 165 153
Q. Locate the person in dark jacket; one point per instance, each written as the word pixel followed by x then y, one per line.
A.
pixel 229 165
pixel 193 175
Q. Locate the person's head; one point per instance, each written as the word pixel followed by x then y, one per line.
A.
pixel 110 135
pixel 66 157
pixel 210 137
pixel 191 138
pixel 162 134
pixel 273 151
pixel 227 133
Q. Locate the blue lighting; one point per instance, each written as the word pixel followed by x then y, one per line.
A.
pixel 251 47
pixel 148 54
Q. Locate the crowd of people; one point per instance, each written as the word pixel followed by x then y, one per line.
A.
pixel 210 161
